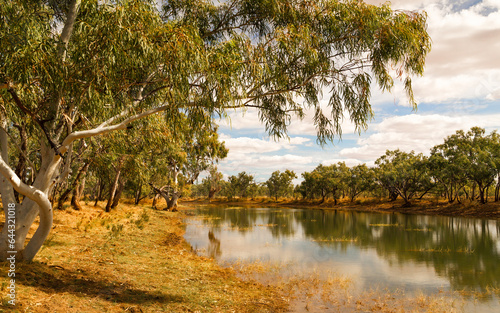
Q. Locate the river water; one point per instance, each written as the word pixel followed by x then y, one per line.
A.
pixel 426 254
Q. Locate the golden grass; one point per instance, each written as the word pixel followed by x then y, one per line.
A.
pixel 133 259
pixel 327 291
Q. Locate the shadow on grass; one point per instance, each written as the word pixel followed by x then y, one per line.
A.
pixel 51 279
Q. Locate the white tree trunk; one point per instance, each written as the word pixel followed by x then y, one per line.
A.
pixel 36 202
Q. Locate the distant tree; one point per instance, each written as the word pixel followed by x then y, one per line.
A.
pixel 212 182
pixel 239 185
pixel 324 181
pixel 280 183
pixel 448 168
pixel 404 174
pixel 359 179
pixel 471 155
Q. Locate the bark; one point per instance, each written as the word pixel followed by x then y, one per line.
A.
pixel 113 188
pixel 75 200
pixel 21 164
pixel 78 189
pixel 497 190
pixel 100 187
pixel 155 200
pixel 137 197
pixel 172 204
pixel 138 194
pixel 74 185
pixel 35 203
pixel 170 197
pixel 118 194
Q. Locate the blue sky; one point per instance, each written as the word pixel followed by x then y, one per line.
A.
pixel 460 89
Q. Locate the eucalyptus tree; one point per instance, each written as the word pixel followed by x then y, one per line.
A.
pixel 239 184
pixel 359 179
pixel 314 184
pixel 474 155
pixel 178 148
pixel 280 183
pixel 213 182
pixel 324 181
pixel 448 167
pixel 77 69
pixel 404 174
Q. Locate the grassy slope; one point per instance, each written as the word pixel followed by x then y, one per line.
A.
pixel 133 259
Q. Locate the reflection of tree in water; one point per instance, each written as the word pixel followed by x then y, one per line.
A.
pixel 463 250
pixel 281 223
pixel 213 249
pixel 241 219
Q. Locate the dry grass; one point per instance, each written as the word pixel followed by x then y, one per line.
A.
pixel 330 292
pixel 133 259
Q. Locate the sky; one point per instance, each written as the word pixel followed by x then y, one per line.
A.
pixel 460 89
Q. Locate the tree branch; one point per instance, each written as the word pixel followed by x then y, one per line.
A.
pixel 103 129
pixel 41 123
pixel 68 29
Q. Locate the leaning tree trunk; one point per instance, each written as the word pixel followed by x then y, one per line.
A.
pixel 155 200
pixel 172 203
pixel 118 194
pixel 113 188
pixel 170 197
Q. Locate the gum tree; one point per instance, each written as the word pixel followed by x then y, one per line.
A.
pixel 404 174
pixel 75 69
pixel 280 183
pixel 476 154
pixel 359 179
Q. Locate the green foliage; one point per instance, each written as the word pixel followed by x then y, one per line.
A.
pixel 359 179
pixel 403 174
pixel 467 157
pixel 210 185
pixel 239 185
pixel 202 58
pixel 74 70
pixel 325 181
pixel 280 184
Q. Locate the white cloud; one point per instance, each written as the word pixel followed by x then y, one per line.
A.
pixel 348 162
pixel 246 145
pixel 414 132
pixel 248 119
pixel 463 62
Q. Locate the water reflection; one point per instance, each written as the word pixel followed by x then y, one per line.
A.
pixel 428 251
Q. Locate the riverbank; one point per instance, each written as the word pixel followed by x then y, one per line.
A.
pixel 490 210
pixel 133 259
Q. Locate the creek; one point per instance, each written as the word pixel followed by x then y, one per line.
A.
pixel 414 253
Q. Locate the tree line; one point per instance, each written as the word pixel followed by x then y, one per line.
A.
pixel 466 166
